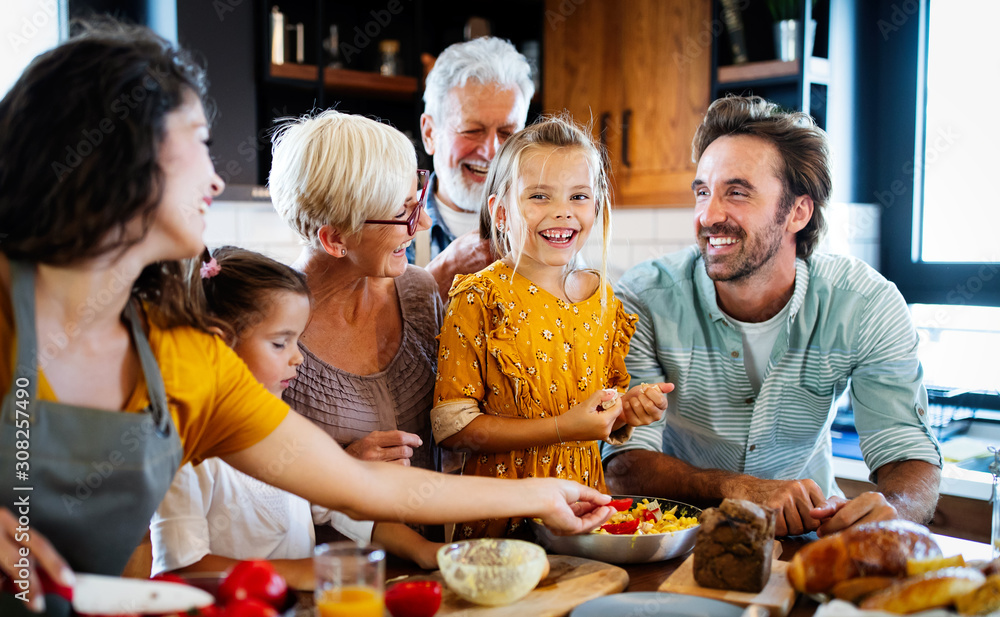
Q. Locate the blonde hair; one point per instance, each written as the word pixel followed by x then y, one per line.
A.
pixel 338 169
pixel 549 132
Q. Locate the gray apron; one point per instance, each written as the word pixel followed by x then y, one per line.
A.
pixel 93 477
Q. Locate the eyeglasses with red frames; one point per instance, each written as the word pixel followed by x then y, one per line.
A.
pixel 423 180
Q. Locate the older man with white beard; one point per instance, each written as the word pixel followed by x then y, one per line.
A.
pixel 476 97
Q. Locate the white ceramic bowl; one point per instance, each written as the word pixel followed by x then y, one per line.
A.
pixel 625 549
pixel 492 572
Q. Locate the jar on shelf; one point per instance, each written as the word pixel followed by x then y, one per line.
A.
pixel 389 49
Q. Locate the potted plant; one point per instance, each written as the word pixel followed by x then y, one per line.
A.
pixel 787 26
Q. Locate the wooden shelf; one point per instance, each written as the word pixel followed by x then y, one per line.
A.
pixel 350 81
pixel 751 71
pixel 818 71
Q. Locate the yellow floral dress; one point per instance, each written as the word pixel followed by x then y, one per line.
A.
pixel 520 352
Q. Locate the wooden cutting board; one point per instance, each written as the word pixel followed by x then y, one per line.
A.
pixel 777 597
pixel 571 582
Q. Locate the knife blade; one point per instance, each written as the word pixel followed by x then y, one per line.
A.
pixel 97 594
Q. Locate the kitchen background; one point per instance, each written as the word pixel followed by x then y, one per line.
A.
pixel 904 137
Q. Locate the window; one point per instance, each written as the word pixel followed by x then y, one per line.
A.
pixel 933 139
pixel 959 144
pixel 27 29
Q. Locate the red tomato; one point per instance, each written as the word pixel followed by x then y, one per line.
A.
pixel 623 528
pixel 253 579
pixel 208 611
pixel 168 577
pixel 249 607
pixel 413 598
pixel 621 504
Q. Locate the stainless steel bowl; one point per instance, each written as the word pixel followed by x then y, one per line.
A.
pixel 624 549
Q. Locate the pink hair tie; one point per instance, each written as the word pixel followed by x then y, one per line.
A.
pixel 210 268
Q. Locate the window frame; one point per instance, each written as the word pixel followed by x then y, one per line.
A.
pixel 902 96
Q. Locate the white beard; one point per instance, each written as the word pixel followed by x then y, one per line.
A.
pixel 465 194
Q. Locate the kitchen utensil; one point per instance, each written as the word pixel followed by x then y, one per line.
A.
pixel 655 604
pixel 777 597
pixel 624 548
pixel 95 594
pixel 490 571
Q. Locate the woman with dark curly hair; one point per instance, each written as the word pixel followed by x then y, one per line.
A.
pixel 108 376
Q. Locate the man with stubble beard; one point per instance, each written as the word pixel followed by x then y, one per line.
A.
pixel 761 335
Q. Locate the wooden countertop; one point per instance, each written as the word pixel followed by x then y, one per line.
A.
pixel 649 576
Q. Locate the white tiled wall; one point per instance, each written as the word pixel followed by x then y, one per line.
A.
pixel 637 234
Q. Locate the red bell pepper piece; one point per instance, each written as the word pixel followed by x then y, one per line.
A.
pixel 621 529
pixel 621 504
pixel 648 516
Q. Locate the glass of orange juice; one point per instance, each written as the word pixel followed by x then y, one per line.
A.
pixel 350 579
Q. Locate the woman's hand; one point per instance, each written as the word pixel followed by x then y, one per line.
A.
pixel 589 420
pixel 388 446
pixel 645 403
pixel 571 508
pixel 22 550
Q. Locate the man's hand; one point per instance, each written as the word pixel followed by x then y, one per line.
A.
pixel 467 254
pixel 388 446
pixel 840 513
pixel 645 403
pixel 41 555
pixel 795 500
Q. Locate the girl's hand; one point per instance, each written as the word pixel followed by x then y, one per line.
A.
pixel 14 543
pixel 571 508
pixel 589 421
pixel 645 403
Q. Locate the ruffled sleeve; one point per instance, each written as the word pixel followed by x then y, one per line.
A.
pixel 622 327
pixel 461 357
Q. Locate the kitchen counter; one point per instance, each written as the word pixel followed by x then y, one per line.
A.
pixel 649 576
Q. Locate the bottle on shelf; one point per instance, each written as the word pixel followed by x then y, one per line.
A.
pixel 389 49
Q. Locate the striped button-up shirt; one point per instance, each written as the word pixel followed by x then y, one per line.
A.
pixel 848 327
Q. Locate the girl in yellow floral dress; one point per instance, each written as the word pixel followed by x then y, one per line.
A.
pixel 531 360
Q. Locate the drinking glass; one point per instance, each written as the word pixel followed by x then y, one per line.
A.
pixel 350 579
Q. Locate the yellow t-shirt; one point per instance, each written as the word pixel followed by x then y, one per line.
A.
pixel 216 404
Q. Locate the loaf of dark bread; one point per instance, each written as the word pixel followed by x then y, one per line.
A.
pixel 733 547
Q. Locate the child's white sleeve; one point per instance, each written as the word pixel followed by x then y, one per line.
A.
pixel 179 529
pixel 359 531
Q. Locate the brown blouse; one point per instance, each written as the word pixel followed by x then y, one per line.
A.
pixel 349 406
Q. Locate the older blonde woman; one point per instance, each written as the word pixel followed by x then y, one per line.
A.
pixel 349 187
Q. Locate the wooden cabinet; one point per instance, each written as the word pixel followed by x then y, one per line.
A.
pixel 641 74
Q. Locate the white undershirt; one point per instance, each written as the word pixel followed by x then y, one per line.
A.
pixel 758 342
pixel 457 222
